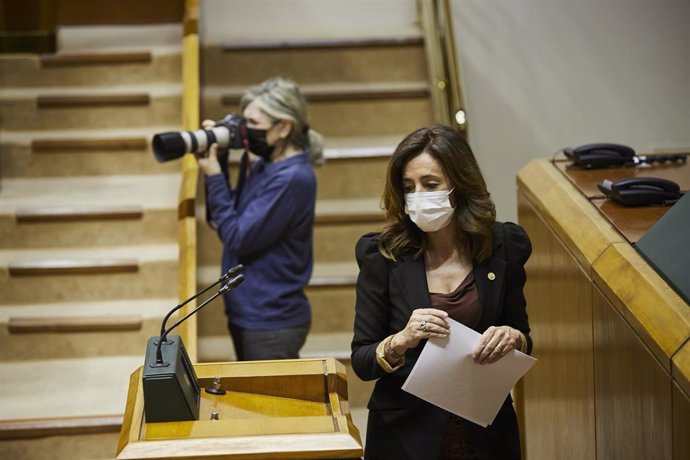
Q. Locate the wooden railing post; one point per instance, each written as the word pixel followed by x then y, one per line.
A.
pixel 190 171
pixel 444 73
pixel 28 26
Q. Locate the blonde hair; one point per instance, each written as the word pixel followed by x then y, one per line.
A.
pixel 280 98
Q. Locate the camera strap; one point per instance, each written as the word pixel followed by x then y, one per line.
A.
pixel 244 168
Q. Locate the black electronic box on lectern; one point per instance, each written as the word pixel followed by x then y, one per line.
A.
pixel 171 390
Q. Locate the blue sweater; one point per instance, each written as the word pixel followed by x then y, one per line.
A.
pixel 270 232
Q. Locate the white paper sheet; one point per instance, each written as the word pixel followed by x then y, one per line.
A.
pixel 446 376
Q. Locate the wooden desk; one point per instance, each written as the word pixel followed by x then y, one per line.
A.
pixel 272 409
pixel 612 338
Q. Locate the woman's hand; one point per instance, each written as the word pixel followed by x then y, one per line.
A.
pixel 208 161
pixel 495 343
pixel 423 324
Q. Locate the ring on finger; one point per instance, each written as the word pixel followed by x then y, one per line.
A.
pixel 422 326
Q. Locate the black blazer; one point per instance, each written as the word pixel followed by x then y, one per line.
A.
pixel 402 426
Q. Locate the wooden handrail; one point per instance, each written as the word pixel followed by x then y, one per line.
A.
pixel 444 77
pixel 186 225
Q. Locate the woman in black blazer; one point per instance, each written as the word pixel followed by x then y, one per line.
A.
pixel 442 254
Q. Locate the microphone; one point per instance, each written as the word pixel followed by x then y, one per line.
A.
pixel 232 284
pixel 229 274
pixel 171 387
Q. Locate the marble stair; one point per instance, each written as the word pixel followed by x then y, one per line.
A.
pixel 88 247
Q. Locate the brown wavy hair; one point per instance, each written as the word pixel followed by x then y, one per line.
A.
pixel 475 212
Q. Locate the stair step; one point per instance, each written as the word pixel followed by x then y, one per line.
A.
pixel 149 192
pixel 47 267
pixel 86 274
pixel 360 147
pixel 85 59
pixel 321 43
pixel 59 390
pixel 79 329
pixel 142 308
pixel 82 139
pixel 69 108
pixel 340 92
pixel 86 69
pixel 65 426
pixel 51 102
pixel 72 145
pixel 77 213
pixel 31 325
pixel 382 110
pixel 392 57
pixel 365 210
pixel 110 210
pixel 65 153
pixel 121 37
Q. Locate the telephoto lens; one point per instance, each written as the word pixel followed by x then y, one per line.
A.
pixel 228 133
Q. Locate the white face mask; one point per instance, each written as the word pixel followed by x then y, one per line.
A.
pixel 430 211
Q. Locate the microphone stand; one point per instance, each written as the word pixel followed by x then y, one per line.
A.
pixel 231 272
pixel 233 283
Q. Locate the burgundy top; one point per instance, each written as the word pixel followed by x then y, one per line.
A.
pixel 462 304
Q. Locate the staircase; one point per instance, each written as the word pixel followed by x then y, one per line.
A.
pixel 365 93
pixel 88 254
pixel 88 246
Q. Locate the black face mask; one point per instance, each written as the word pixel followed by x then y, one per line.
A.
pixel 258 145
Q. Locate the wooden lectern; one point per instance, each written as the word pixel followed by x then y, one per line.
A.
pixel 612 337
pixel 295 409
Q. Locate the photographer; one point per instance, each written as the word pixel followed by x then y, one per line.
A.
pixel 266 221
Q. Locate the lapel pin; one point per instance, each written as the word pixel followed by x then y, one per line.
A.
pixel 491 276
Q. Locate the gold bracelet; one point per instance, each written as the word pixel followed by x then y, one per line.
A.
pixel 390 351
pixel 523 345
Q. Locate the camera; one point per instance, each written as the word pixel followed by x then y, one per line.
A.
pixel 228 133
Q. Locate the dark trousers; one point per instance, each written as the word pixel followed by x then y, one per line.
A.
pixel 252 345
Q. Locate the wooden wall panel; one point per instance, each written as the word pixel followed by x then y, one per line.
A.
pixel 556 399
pixel 634 415
pixel 681 424
pixel 86 12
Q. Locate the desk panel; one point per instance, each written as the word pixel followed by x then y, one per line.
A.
pixel 606 327
pixel 557 394
pixel 653 310
pixel 681 424
pixel 633 392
